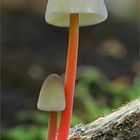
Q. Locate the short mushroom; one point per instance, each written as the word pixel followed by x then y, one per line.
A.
pixel 72 14
pixel 52 100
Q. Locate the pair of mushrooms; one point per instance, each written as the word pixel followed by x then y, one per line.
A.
pixel 54 95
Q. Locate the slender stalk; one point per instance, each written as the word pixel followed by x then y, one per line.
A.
pixel 70 75
pixel 52 126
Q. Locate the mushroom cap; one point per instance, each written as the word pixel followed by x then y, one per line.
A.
pixel 90 12
pixel 51 96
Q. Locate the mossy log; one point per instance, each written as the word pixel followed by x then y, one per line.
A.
pixel 122 124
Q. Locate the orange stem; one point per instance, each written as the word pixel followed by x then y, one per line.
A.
pixel 52 126
pixel 70 75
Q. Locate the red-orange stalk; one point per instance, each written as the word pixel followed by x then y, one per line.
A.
pixel 52 126
pixel 70 75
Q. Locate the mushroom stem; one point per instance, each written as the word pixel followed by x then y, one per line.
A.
pixel 52 126
pixel 70 75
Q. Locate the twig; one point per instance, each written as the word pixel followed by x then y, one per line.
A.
pixel 122 124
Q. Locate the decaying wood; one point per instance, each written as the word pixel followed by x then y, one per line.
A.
pixel 122 124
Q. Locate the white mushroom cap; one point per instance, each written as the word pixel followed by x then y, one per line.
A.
pixel 51 96
pixel 90 12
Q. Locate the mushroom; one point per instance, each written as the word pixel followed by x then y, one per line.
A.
pixel 72 14
pixel 52 100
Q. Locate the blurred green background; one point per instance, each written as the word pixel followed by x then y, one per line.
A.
pixel 108 64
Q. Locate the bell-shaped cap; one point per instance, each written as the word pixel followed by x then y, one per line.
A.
pixel 90 12
pixel 51 96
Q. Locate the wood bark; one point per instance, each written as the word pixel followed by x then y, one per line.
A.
pixel 122 124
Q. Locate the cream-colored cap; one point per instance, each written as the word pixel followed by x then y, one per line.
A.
pixel 51 96
pixel 90 12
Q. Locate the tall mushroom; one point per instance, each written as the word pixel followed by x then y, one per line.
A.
pixel 72 14
pixel 52 100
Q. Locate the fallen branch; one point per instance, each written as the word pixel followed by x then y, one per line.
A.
pixel 122 124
